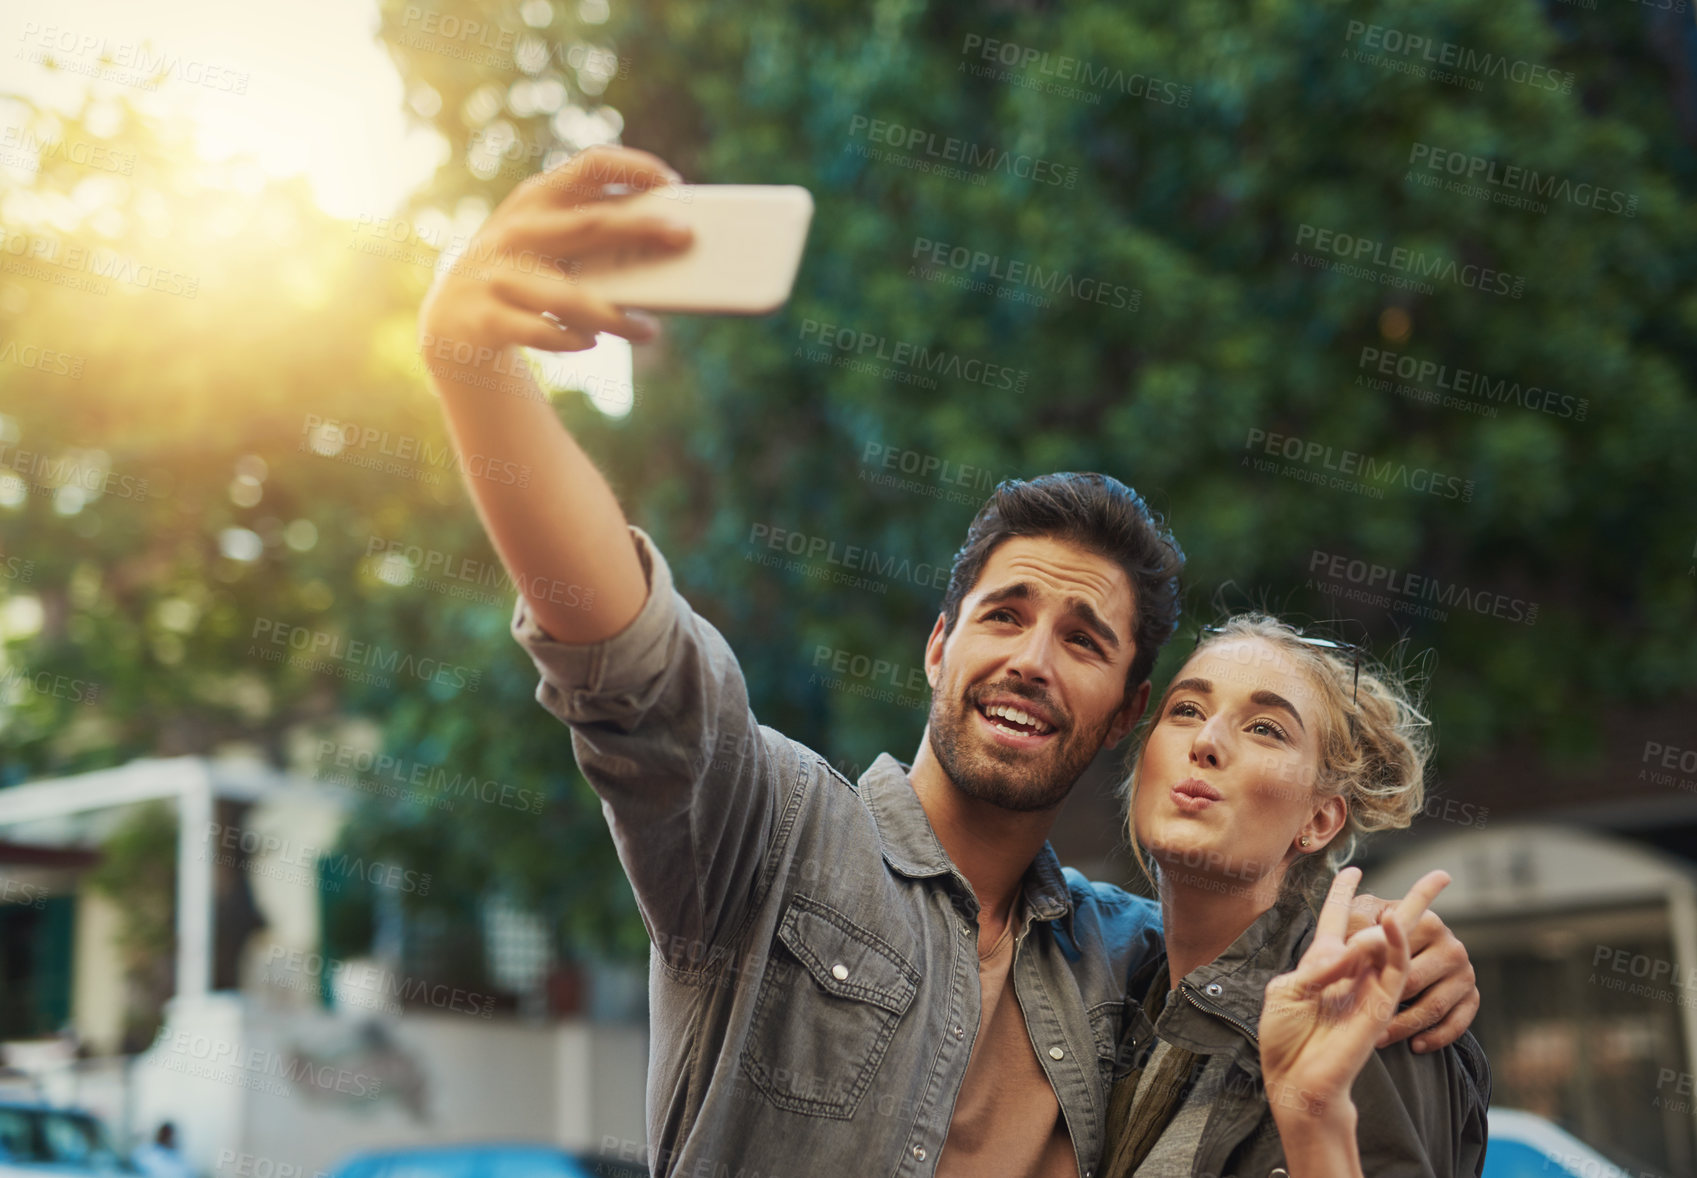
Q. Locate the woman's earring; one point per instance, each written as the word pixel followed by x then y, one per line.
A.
pixel 1306 840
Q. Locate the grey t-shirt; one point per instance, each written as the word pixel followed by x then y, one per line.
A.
pixel 1175 1151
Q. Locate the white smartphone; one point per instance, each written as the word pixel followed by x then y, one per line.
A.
pixel 743 261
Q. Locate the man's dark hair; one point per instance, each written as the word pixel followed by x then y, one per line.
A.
pixel 1099 513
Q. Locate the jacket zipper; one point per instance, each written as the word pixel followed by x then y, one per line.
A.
pixel 1208 1008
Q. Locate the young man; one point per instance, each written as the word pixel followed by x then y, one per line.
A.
pixel 889 977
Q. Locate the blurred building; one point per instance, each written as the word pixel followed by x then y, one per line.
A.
pixel 274 1058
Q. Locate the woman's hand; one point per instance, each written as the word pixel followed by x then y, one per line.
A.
pixel 1319 1023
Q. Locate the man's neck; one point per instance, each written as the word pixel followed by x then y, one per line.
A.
pixel 990 846
pixel 1200 922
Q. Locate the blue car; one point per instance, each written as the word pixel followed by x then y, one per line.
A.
pixel 36 1139
pixel 484 1161
pixel 1523 1145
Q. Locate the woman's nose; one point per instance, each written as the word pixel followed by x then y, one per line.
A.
pixel 1205 749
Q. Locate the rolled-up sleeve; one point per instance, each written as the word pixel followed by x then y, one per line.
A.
pixel 689 781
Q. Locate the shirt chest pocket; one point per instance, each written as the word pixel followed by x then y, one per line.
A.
pixel 1121 1030
pixel 830 1000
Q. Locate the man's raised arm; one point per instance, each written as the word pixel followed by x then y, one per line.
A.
pixel 659 712
pixel 551 515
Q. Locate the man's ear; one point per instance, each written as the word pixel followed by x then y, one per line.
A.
pixel 1129 714
pixel 934 652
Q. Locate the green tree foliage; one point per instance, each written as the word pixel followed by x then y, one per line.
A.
pixel 222 525
pixel 1205 138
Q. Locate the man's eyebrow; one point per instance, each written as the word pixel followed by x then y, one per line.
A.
pixel 1084 611
pixel 1268 699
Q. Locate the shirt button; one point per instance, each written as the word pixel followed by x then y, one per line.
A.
pixel 959 1030
pixel 963 930
pixel 919 1153
pixel 1056 1053
pixel 840 972
pixel 1214 989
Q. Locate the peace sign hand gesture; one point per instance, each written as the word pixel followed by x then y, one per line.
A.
pixel 1319 1022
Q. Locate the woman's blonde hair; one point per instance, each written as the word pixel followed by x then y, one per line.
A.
pixel 1374 746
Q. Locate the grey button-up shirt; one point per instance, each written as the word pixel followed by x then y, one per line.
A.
pixel 814 974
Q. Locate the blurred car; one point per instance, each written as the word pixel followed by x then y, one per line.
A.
pixel 1524 1145
pixel 37 1139
pixel 484 1161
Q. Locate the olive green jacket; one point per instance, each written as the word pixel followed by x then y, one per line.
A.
pixel 1418 1116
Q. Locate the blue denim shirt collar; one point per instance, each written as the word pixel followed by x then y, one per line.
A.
pixel 911 847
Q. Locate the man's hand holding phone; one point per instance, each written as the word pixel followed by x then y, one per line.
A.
pixel 523 260
pixel 560 260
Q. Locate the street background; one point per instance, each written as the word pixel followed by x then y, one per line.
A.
pixel 1389 308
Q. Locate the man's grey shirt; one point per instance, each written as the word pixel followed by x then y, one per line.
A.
pixel 813 984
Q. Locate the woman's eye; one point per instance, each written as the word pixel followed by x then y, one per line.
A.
pixel 1268 728
pixel 1184 708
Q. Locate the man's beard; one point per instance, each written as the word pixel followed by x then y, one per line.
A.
pixel 1010 778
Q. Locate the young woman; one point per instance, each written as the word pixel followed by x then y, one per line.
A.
pixel 1249 1049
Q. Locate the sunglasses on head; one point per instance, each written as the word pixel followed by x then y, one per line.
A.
pixel 1352 649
